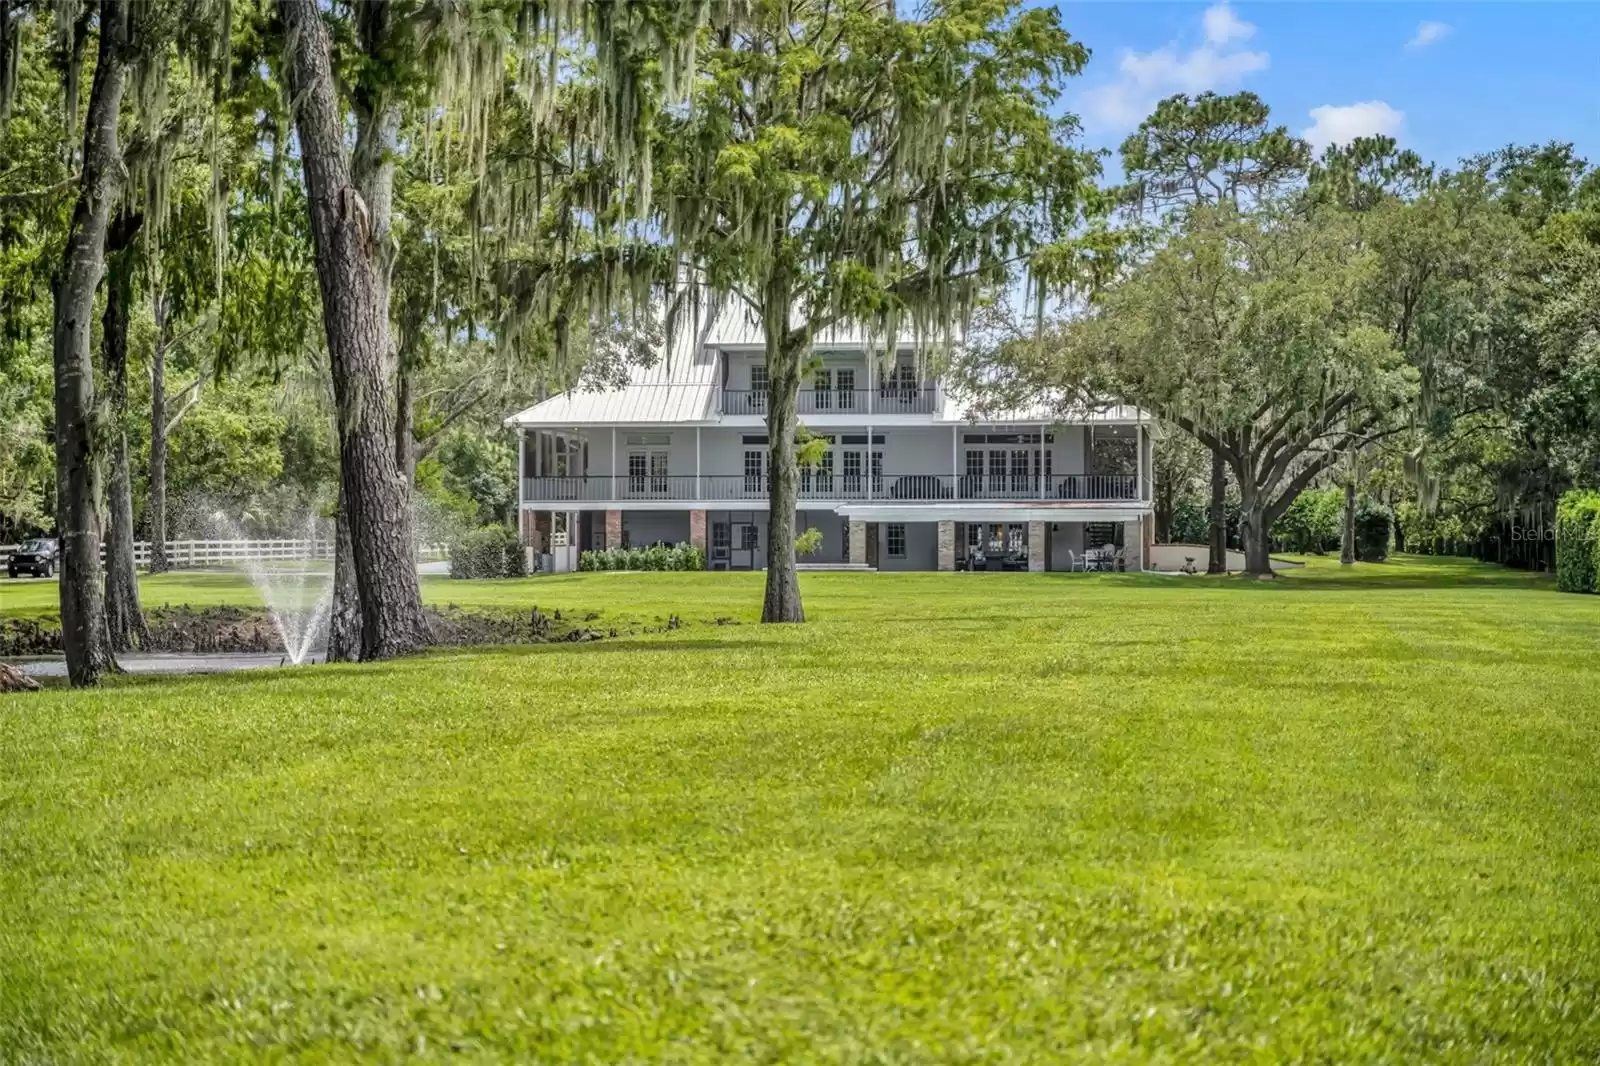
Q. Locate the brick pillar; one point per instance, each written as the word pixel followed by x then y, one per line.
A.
pixel 540 541
pixel 857 549
pixel 697 529
pixel 947 546
pixel 525 528
pixel 1133 545
pixel 1036 547
pixel 613 529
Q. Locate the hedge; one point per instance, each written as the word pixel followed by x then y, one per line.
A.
pixel 1577 540
pixel 491 551
pixel 657 557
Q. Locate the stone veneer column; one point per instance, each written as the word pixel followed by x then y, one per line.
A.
pixel 613 529
pixel 856 551
pixel 1036 547
pixel 947 546
pixel 697 529
pixel 1133 545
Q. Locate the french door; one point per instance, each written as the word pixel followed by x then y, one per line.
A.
pixel 647 473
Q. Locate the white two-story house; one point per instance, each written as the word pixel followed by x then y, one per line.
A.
pixel 909 481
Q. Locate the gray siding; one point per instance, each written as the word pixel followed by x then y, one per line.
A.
pixel 643 528
pixel 922 547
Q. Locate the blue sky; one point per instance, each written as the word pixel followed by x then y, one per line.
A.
pixel 1446 80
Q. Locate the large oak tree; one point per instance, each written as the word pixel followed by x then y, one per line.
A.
pixel 839 166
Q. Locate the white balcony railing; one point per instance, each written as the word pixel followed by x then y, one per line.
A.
pixel 815 486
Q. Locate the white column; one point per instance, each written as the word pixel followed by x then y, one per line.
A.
pixel 868 457
pixel 955 458
pixel 522 493
pixel 1041 463
pixel 613 478
pixel 1139 455
pixel 697 462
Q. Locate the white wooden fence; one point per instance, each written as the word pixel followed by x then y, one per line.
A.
pixel 193 554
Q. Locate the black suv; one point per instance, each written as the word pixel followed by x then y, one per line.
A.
pixel 36 557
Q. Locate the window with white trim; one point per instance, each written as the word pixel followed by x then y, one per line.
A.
pixel 844 384
pixel 852 471
pixel 758 387
pixel 895 537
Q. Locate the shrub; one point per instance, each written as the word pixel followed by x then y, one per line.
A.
pixel 1577 540
pixel 1312 522
pixel 809 542
pixel 655 557
pixel 1374 526
pixel 492 551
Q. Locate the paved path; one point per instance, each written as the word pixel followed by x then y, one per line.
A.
pixel 165 663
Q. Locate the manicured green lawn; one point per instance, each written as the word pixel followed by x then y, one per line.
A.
pixel 965 817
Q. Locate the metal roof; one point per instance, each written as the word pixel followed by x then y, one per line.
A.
pixel 681 388
pixel 962 409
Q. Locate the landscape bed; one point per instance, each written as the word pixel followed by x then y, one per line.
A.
pixel 955 817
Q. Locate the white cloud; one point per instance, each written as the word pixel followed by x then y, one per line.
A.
pixel 1428 33
pixel 1223 26
pixel 1343 124
pixel 1144 78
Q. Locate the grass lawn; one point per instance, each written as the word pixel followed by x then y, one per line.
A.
pixel 958 817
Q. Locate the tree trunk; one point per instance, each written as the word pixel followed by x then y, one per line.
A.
pixel 125 628
pixel 156 490
pixel 1255 530
pixel 78 476
pixel 405 448
pixel 782 600
pixel 344 624
pixel 1218 561
pixel 1347 543
pixel 352 286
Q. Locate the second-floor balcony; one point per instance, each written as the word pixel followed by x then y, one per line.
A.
pixel 825 486
pixel 891 399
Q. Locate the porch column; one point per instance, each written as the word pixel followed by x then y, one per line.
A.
pixel 613 478
pixel 613 529
pixel 1133 544
pixel 702 514
pixel 522 488
pixel 1138 439
pixel 856 552
pixel 1036 547
pixel 947 546
pixel 1041 464
pixel 697 529
pixel 868 457
pixel 955 459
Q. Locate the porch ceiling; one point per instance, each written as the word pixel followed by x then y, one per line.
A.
pixel 989 511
